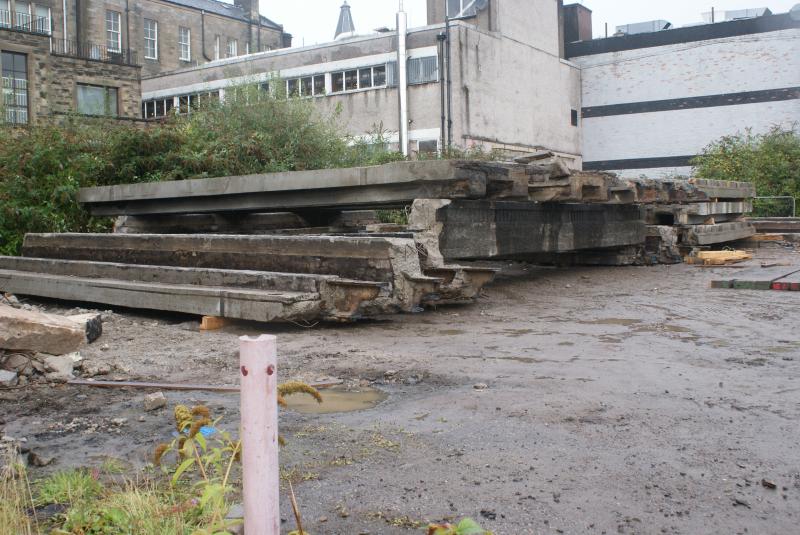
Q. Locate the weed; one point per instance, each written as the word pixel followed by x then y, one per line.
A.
pixel 68 487
pixel 15 495
pixel 465 527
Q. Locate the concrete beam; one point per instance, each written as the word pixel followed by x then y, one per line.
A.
pixel 392 261
pixel 713 234
pixel 394 184
pixel 256 305
pixel 472 230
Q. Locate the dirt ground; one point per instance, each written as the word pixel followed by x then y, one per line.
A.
pixel 617 400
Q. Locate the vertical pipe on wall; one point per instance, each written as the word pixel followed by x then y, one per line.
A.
pixel 64 17
pixel 402 77
pixel 443 129
pixel 448 53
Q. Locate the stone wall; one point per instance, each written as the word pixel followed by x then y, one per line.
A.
pixel 89 26
pixel 53 79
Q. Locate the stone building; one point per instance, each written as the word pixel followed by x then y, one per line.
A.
pixel 41 85
pixel 161 35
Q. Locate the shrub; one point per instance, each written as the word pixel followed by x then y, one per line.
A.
pixel 43 167
pixel 771 161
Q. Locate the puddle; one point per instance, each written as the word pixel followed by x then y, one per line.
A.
pixel 452 332
pixel 337 399
pixel 613 321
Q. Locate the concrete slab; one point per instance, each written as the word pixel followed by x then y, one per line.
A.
pixel 471 230
pixel 341 299
pixel 392 261
pixel 717 233
pixel 256 305
pixel 395 184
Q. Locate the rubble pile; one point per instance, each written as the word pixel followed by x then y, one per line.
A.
pixel 40 347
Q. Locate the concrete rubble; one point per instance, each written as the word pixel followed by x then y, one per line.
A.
pixel 35 331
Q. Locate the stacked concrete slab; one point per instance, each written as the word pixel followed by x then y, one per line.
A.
pixel 306 245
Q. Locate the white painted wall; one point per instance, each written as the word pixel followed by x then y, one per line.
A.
pixel 744 63
pixel 678 133
pixel 731 65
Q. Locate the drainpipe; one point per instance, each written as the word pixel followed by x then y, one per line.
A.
pixel 443 129
pixel 203 34
pixel 402 77
pixel 77 22
pixel 449 79
pixel 64 13
pixel 127 29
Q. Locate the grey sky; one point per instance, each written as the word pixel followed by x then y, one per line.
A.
pixel 314 21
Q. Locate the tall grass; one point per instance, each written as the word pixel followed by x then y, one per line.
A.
pixel 16 499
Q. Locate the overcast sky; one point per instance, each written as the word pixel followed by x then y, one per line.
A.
pixel 314 21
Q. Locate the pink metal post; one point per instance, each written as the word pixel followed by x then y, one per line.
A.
pixel 260 472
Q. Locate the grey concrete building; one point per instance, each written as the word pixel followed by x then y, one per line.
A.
pixel 506 85
pixel 526 75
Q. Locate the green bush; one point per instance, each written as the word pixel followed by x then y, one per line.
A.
pixel 771 161
pixel 43 167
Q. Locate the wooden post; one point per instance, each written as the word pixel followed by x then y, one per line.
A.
pixel 259 407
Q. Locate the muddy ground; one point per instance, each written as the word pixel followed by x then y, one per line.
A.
pixel 617 400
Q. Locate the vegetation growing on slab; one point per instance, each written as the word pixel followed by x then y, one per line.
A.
pixel 771 161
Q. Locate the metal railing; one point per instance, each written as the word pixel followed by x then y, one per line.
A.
pixel 25 23
pixel 94 52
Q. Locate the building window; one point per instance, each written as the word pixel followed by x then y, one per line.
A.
pixel 574 118
pixel 5 14
pixel 233 48
pixel 42 22
pixel 423 70
pixel 185 43
pixel 97 100
pixel 15 87
pixel 150 39
pixel 337 82
pixel 308 86
pixel 114 31
pixel 22 14
pixel 429 147
pixel 216 47
pixel 319 84
pixel 363 78
pixel 454 7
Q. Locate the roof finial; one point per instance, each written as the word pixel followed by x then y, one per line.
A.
pixel 345 27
